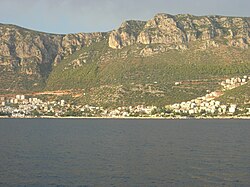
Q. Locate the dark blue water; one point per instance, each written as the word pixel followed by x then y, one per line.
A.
pixel 47 152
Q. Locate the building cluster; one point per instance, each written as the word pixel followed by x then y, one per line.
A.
pixel 20 106
pixel 23 106
pixel 232 83
pixel 131 111
pixel 201 106
pixel 207 105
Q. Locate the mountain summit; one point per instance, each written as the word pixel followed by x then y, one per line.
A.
pixel 182 29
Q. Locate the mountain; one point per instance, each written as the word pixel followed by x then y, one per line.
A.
pixel 138 63
pixel 27 57
pixel 178 31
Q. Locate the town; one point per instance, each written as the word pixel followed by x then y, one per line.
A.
pixel 22 106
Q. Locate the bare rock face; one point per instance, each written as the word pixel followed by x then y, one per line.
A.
pixel 240 43
pixel 31 53
pixel 4 49
pixel 126 35
pixel 74 42
pixel 162 29
pixel 19 47
pixel 182 29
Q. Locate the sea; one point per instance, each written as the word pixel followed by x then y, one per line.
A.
pixel 120 152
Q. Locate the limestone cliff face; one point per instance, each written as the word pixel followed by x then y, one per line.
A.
pixel 29 55
pixel 73 42
pixel 126 35
pixel 162 29
pixel 30 52
pixel 180 30
pixel 26 53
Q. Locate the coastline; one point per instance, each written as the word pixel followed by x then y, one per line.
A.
pixel 134 118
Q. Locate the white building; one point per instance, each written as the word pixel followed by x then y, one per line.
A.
pixel 62 103
pixel 22 97
pixel 232 109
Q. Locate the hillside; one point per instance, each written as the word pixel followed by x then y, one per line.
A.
pixel 139 63
pixel 137 79
pixel 27 56
pixel 240 95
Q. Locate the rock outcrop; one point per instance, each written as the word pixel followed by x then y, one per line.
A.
pixel 182 29
pixel 26 51
pixel 30 55
pixel 73 42
pixel 126 35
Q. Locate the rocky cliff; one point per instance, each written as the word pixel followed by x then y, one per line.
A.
pixel 32 54
pixel 27 57
pixel 178 31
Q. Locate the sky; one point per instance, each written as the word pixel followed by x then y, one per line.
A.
pixel 73 16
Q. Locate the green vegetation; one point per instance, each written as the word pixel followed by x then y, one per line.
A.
pixel 239 95
pixel 137 74
pixel 117 67
pixel 122 77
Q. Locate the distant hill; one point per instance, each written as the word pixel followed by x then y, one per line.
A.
pixel 139 63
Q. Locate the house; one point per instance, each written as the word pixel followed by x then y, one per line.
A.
pixel 125 114
pixel 62 102
pixel 228 81
pixel 232 109
pixel 217 103
pixel 15 101
pixel 223 83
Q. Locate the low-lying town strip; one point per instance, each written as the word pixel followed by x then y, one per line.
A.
pixel 22 106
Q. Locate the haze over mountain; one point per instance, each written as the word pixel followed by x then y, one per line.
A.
pixel 139 59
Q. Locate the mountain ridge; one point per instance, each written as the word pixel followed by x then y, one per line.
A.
pixel 164 49
pixel 181 29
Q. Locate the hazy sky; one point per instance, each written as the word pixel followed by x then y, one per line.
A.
pixel 71 16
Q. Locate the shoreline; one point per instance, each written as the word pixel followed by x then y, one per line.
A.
pixel 134 118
